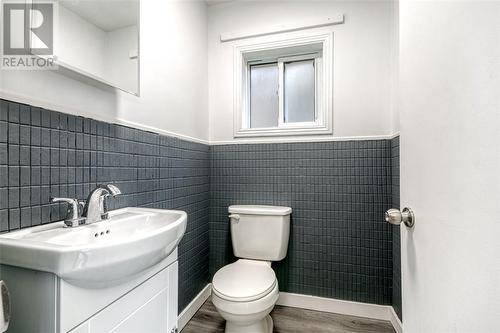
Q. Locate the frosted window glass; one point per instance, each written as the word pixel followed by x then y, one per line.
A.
pixel 264 105
pixel 299 91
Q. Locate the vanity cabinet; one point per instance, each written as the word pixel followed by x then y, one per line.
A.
pixel 42 302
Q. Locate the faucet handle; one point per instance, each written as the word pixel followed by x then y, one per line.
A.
pixel 73 206
pixel 74 217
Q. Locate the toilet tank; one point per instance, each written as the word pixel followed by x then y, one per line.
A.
pixel 260 232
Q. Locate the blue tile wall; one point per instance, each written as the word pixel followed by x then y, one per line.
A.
pixel 396 238
pixel 340 246
pixel 45 153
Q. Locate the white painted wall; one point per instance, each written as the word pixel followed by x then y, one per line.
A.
pixel 173 87
pixel 80 43
pixel 119 67
pixel 363 49
pixel 450 165
pixel 395 68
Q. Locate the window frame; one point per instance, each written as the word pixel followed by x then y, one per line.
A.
pixel 271 46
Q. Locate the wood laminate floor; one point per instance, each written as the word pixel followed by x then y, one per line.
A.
pixel 292 320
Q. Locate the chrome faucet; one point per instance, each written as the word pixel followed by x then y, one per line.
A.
pixel 95 209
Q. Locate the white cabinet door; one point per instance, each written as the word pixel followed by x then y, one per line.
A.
pixel 149 308
pixel 94 300
pixel 83 328
pixel 150 318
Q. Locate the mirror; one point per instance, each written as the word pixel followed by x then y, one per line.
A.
pixel 99 39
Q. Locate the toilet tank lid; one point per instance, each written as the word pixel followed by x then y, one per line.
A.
pixel 259 210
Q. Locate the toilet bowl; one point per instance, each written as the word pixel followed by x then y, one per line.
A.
pixel 245 292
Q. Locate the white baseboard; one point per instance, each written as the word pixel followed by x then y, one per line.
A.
pixel 190 310
pixel 365 310
pixel 396 323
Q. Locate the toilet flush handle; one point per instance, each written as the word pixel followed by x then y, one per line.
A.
pixel 234 217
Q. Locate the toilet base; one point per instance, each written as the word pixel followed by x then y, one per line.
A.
pixel 262 326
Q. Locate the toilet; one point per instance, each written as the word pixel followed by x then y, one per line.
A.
pixel 245 292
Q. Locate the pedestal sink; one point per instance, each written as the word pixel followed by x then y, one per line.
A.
pixel 98 254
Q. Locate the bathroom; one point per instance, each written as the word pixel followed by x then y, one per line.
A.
pixel 249 166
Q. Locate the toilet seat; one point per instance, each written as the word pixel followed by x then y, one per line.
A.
pixel 244 281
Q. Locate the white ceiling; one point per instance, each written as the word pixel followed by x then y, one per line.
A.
pixel 107 15
pixel 215 2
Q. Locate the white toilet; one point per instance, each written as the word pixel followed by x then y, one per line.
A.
pixel 246 291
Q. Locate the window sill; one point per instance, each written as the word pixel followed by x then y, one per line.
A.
pixel 266 132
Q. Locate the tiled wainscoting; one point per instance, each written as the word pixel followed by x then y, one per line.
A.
pixel 340 245
pixel 396 238
pixel 45 153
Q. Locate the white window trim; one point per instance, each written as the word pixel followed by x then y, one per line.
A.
pixel 324 123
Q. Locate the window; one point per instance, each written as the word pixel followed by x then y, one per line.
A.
pixel 264 97
pixel 269 106
pixel 284 88
pixel 299 91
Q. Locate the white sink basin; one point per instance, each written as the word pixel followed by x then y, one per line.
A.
pixel 94 255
